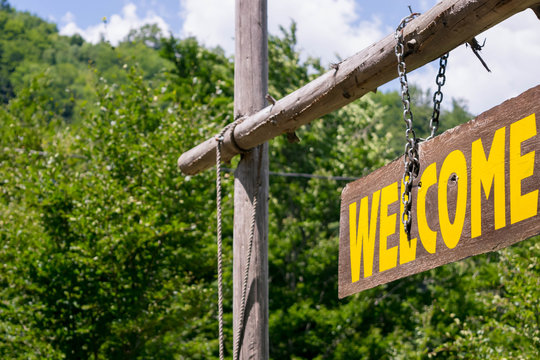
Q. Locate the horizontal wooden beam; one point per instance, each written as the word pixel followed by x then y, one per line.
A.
pixel 447 25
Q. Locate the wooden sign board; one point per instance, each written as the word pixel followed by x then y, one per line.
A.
pixel 477 191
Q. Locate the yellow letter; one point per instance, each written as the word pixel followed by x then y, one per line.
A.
pixel 355 247
pixel 521 166
pixel 428 237
pixel 483 173
pixel 387 257
pixel 364 237
pixel 454 163
pixel 407 249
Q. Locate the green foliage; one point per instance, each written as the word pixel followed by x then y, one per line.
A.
pixel 30 46
pixel 422 109
pixel 286 72
pixel 108 252
pixel 115 248
pixel 206 75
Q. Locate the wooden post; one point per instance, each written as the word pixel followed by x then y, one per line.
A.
pixel 250 88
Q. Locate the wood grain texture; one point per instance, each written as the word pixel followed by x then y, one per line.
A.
pixel 447 25
pixel 436 151
pixel 536 9
pixel 250 88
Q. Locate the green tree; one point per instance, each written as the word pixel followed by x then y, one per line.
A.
pixel 31 46
pixel 107 251
pixel 422 109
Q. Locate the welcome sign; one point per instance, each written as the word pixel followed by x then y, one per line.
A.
pixel 477 191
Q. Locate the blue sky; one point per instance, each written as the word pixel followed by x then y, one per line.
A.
pixel 326 29
pixel 89 13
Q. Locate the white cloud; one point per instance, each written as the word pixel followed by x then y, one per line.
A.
pixel 425 5
pixel 211 21
pixel 116 28
pixel 68 17
pixel 512 52
pixel 330 27
pixel 326 28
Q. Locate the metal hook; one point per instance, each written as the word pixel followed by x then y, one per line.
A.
pixel 476 47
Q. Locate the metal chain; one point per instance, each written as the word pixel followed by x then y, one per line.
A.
pixel 438 96
pixel 220 138
pixel 412 163
pixel 411 156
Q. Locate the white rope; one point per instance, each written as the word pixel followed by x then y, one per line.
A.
pixel 240 326
pixel 219 138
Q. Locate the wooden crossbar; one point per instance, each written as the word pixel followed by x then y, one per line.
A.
pixel 447 25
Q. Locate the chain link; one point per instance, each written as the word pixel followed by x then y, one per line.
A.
pixel 438 96
pixel 411 160
pixel 411 156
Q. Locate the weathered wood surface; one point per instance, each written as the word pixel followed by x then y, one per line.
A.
pixel 250 88
pixel 536 9
pixel 504 216
pixel 447 25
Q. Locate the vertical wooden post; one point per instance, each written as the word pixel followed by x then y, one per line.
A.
pixel 250 88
